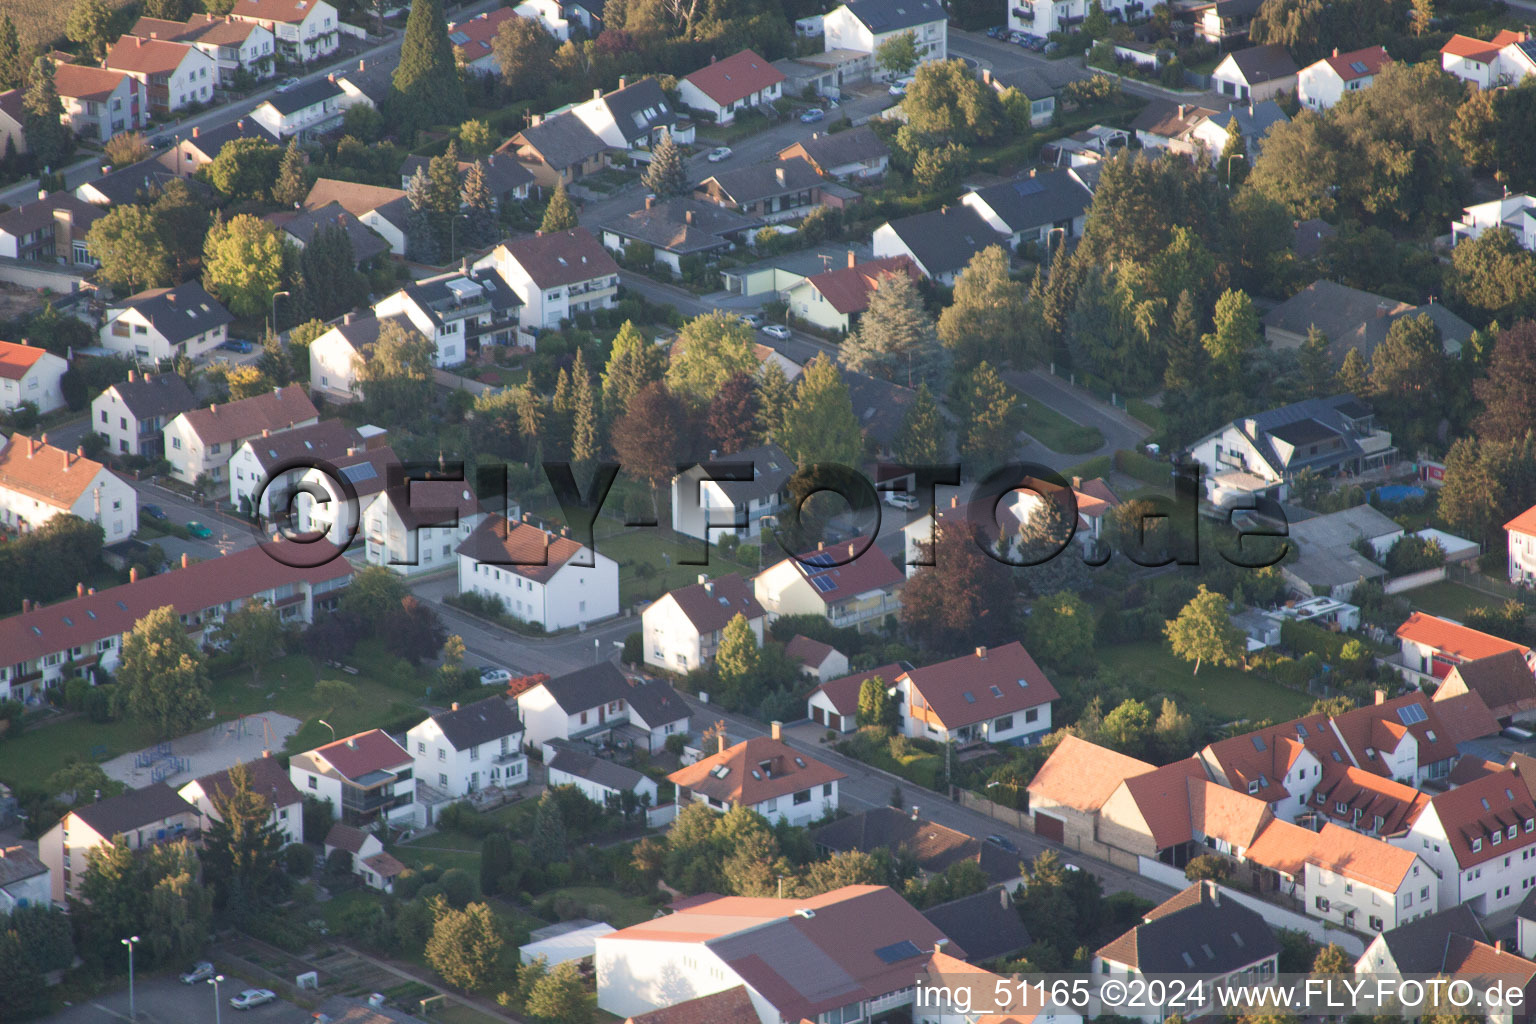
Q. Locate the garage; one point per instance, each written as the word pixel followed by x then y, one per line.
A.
pixel 1047 827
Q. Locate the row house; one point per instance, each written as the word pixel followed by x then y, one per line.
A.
pixel 304 30
pixel 762 774
pixel 51 230
pixel 469 748
pixel 162 324
pixel 131 415
pixel 99 102
pixel 1520 533
pixel 235 46
pixel 30 373
pixel 556 275
pixel 39 481
pixel 855 587
pixel 201 441
pixel 683 627
pixel 45 644
pixel 138 818
pixel 174 75
pixel 544 579
pixel 1504 682
pixel 866 25
pixel 599 704
pixel 994 695
pixel 1352 880
pixel 364 777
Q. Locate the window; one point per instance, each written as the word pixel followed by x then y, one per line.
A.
pixel 442 780
pixel 1376 923
pixel 312 783
pixel 826 790
pixel 176 443
pixel 1032 715
pixel 1407 899
pixel 1003 724
pixel 442 755
pixel 1477 845
pixel 1323 904
pixel 103 415
pixel 803 797
pixel 421 748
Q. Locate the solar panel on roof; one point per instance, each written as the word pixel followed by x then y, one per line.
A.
pixel 824 584
pixel 1358 68
pixel 1028 187
pixel 898 951
pixel 358 473
pixel 1411 714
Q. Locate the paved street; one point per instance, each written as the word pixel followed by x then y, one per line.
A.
pixel 168 1001
pixel 1120 429
pixel 230 533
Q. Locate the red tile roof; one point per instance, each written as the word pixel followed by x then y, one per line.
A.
pixel 84 620
pixel 478 33
pixel 1381 727
pixel 1282 847
pixel 561 257
pixel 1082 775
pixel 362 753
pixel 1374 796
pixel 735 78
pixel 1475 810
pixel 1265 756
pixel 385 866
pixel 83 82
pixel 847 289
pixel 1368 861
pixel 1460 642
pixel 39 470
pixel 808 652
pixel 1162 797
pixel 17 360
pixel 744 781
pixel 710 605
pixel 1465 955
pixel 871 570
pixel 1476 49
pixel 275 410
pixel 980 686
pixel 1524 523
pixel 844 692
pixel 733 1006
pixel 1372 59
pixel 346 837
pixel 290 11
pixel 522 548
pixel 268 780
pixel 1222 813
pixel 147 56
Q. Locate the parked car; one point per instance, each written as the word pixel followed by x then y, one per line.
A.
pixel 287 84
pixel 495 677
pixel 252 997
pixel 719 153
pixel 899 87
pixel 900 499
pixel 197 529
pixel 998 31
pixel 1050 47
pixel 201 971
pixel 777 331
pixel 813 115
pixel 1017 38
pixel 162 141
pixel 1005 843
pixel 236 345
pixel 750 320
pixel 154 512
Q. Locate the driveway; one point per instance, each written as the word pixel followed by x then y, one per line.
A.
pixel 1120 429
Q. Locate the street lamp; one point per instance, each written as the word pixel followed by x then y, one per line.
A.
pixel 273 325
pixel 217 1006
pixel 130 942
pixel 331 727
pixel 1230 157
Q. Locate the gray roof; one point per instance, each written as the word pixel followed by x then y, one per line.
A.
pixel 136 808
pixel 831 150
pixel 147 396
pixel 880 406
pixel 1418 947
pixel 656 703
pixel 1254 122
pixel 179 313
pixel 881 16
pixel 309 94
pixel 328 439
pixel 683 225
pixel 374 81
pixel 1309 237
pixel 1355 319
pixel 139 182
pixel 1195 933
pixel 212 142
pixel 366 243
pixel 484 721
pixel 934 847
pixel 1304 422
pixel 433 294
pixel 588 687
pixel 1027 80
pixel 771 470
pixel 1260 64
pixel 563 140
pixel 944 240
pixel 17 864
pixel 755 182
pixel 640 108
pixel 594 769
pixel 1042 197
pixel 1324 546
pixel 986 924
pixel 501 175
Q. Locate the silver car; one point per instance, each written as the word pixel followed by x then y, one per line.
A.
pixel 201 971
pixel 252 997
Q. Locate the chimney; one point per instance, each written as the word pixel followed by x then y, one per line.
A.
pixel 853 259
pixel 454 706
pixel 703 578
pixel 1032 171
pixel 687 216
pixel 185 561
pixel 133 574
pixel 266 431
pixel 597 94
pixel 721 740
pixel 1183 109
pixel 777 730
pixel 331 78
pixel 26 605
pixel 195 130
pixel 362 65
pixel 986 75
pixel 131 376
pixel 1215 894
pixel 623 82
pixel 80 452
pixel 347 318
pixel 1498 945
pixel 154 35
pixel 954 501
pixel 353 450
pixel 266 753
pixel 981 652
pixel 853 550
pixel 914 812
pixel 1383 308
pixel 650 201
pixel 709 587
pixel 821 545
pixel 90 590
pixel 1381 696
pixel 778 175
pixel 1335 51
pixel 1077 483
pixel 79 589
pixel 214 408
pixel 351 742
pixel 1002 895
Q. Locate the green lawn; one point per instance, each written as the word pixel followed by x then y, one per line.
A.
pixel 1058 433
pixel 1147 470
pixel 1452 600
pixel 1145 411
pixel 623 910
pixel 445 849
pixel 650 560
pixel 1228 693
pixel 1097 466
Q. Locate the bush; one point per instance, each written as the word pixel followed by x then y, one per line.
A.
pixel 298 860
pixel 634 648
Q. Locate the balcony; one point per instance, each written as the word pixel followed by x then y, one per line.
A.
pixel 890 605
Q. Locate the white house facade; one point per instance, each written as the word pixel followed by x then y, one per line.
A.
pixel 538 577
pixel 470 747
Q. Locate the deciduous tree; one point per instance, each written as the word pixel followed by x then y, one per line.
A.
pixel 649 437
pixel 126 148
pixel 1203 631
pixel 244 260
pixel 1508 393
pixel 730 423
pixel 162 675
pixel 466 946
pixel 90 25
pixel 523 51
pixel 1061 629
pixel 962 599
pixel 709 350
pixel 982 322
pixel 246 169
pixel 821 425
pixel 898 54
pixel 1494 277
pixel 126 241
pixel 561 996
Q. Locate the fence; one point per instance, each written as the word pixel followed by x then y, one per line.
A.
pixel 1487 584
pixel 1414 580
pixel 1020 820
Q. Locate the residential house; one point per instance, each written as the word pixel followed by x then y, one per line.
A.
pixel 100 103
pixel 472 40
pixel 1174 813
pixel 1092 499
pixel 44 645
pixel 856 586
pixel 162 324
pixel 137 817
pixel 327 495
pixel 1367 802
pixel 264 472
pixel 267 780
pixel 599 779
pixel 764 775
pixel 304 29
pixel 1281 764
pixel 994 695
pixel 833 299
pixel 934 848
pixel 1035 83
pixel 377 869
pixel 370 84
pixel 363 777
pixel 556 275
pixel 306 112
pixel 136 183
pixel 541 578
pixel 174 75
pixel 1180 936
pixel 385 210
pixel 300 228
pixel 1506 59
pixel 236 46
pixel 709 508
pixel 1432 646
pixel 1225 22
pixel 586 13
pixel 506 179
pixel 39 481
pixel 201 148
pixel 1043 207
pixel 558 149
pixel 676 229
pixel 1515 213
pixel 854 154
pixel 998 519
pixel 335 356
pixel 469 748
pixel 1251 122
pixel 741 81
pixel 1327 556
pixel 1521 540
pixel 940 242
pixel 25 881
pixel 1166 125
pixel 682 628
pixel 1321 85
pixel 866 25
pixel 1070 789
pixel 731 1006
pixel 599 703
pixel 1504 681
pixel 633 116
pixel 30 373
pixel 773 191
pixel 1309 238
pixel 1419 946
pixel 1255 73
pixel 549 15
pixel 418 524
pixel 835 703
pixel 1350 318
pixel 1469 958
pixel 881 408
pixel 201 441
pixel 985 924
pixel 1261 455
pixel 1480 838
pixel 13 119
pixel 848 955
pixel 460 312
pixel 817 660
pixel 1365 884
